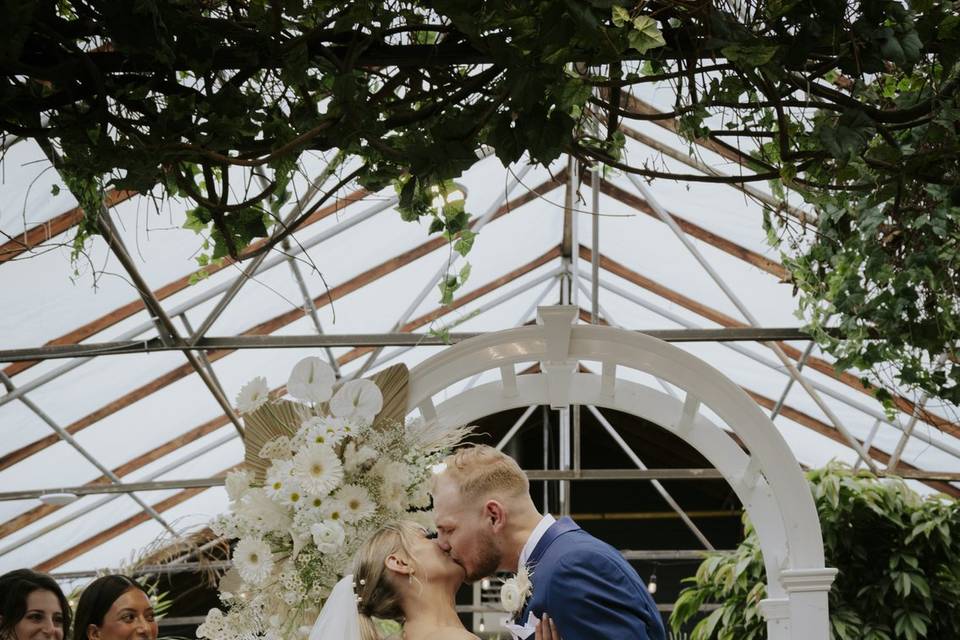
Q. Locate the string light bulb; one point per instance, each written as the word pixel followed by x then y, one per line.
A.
pixel 652 585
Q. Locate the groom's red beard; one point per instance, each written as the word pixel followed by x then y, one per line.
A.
pixel 485 562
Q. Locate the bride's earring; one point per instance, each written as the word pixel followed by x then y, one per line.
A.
pixel 411 576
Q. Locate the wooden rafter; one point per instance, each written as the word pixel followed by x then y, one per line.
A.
pixel 829 431
pixel 695 231
pixel 119 314
pixel 264 328
pixel 32 238
pixel 42 511
pixel 121 527
pixel 824 367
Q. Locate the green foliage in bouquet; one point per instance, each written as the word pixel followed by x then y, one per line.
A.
pixel 898 556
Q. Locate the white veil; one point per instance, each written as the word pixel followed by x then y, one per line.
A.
pixel 339 619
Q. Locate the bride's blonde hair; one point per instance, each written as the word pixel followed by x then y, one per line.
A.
pixel 376 588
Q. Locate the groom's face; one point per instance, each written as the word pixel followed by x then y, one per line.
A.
pixel 464 534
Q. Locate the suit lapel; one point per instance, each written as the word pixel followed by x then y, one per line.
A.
pixel 557 529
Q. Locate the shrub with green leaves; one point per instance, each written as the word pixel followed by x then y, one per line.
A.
pixel 898 555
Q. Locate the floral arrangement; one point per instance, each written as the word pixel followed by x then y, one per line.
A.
pixel 328 469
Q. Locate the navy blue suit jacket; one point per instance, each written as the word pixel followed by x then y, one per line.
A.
pixel 588 589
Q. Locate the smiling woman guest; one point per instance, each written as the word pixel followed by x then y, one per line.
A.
pixel 32 607
pixel 114 608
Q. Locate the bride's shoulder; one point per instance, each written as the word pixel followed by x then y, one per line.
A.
pixel 451 634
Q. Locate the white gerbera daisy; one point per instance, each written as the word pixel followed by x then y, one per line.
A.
pixel 254 560
pixel 332 510
pixel 328 536
pixel 292 495
pixel 252 395
pixel 311 380
pixel 356 502
pixel 279 475
pixel 359 399
pixel 317 469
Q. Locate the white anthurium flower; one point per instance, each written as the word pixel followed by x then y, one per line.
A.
pixel 328 536
pixel 252 395
pixel 311 380
pixel 254 560
pixel 357 399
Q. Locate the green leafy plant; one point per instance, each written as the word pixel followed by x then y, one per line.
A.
pixel 898 556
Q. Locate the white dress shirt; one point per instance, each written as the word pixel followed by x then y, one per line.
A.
pixel 538 531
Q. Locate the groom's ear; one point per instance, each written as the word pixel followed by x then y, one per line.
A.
pixel 495 515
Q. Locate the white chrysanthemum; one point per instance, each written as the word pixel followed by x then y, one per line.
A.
pixel 237 484
pixel 252 395
pixel 332 510
pixel 320 431
pixel 259 511
pixel 317 469
pixel 354 458
pixel 328 536
pixel 356 502
pixel 254 560
pixel 311 380
pixel 279 475
pixel 292 495
pixel 276 449
pixel 359 399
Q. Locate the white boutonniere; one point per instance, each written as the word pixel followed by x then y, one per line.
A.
pixel 515 592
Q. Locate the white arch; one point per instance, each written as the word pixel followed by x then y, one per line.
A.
pixel 768 481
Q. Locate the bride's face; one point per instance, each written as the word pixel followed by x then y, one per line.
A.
pixel 432 563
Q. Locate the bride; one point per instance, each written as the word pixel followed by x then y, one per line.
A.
pixel 400 574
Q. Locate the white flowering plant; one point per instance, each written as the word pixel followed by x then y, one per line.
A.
pixel 329 469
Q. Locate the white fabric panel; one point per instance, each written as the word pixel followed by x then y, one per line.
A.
pixel 26 182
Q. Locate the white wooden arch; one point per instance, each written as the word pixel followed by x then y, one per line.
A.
pixel 768 480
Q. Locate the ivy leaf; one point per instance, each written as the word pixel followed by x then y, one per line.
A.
pixel 645 35
pixel 620 16
pixel 755 55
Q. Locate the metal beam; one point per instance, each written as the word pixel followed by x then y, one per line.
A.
pixel 308 306
pixel 656 485
pixel 72 442
pixel 772 364
pixel 395 339
pixel 206 483
pixel 475 225
pixel 752 320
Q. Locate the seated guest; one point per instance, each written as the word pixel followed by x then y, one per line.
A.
pixel 114 608
pixel 32 607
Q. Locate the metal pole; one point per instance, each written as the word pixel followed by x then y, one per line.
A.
pixel 908 430
pixel 595 254
pixel 656 484
pixel 774 365
pixel 868 442
pixel 308 306
pixel 516 427
pixel 99 503
pixel 665 216
pixel 786 390
pixel 67 437
pixel 442 271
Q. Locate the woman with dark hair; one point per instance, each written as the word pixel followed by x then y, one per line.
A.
pixel 114 608
pixel 32 607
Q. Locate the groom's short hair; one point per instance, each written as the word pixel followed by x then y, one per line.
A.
pixel 481 470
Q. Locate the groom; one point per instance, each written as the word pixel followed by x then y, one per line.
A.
pixel 487 522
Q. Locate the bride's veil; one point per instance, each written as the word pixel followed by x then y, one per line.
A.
pixel 338 620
